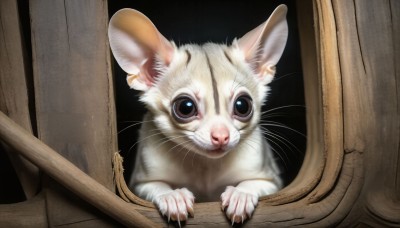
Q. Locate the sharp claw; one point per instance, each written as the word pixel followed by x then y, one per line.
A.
pixel 233 220
pixel 180 213
pixel 191 211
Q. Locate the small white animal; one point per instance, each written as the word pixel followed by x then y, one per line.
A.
pixel 201 138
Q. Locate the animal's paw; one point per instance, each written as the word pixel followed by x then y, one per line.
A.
pixel 176 205
pixel 239 205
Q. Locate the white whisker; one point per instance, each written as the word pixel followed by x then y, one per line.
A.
pixel 141 140
pixel 273 136
pixel 285 141
pixel 132 125
pixel 276 124
pixel 282 107
pixel 169 139
pixel 286 75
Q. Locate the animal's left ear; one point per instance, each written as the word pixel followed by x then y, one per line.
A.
pixel 263 46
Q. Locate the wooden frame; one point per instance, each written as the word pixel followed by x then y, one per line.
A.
pixel 351 172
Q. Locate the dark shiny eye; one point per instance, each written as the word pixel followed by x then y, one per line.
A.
pixel 184 109
pixel 243 108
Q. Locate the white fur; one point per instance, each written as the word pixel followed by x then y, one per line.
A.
pixel 176 161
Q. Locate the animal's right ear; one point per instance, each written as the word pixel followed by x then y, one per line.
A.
pixel 136 43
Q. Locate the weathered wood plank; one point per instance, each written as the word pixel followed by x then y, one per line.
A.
pixel 375 29
pixel 13 88
pixel 367 46
pixel 74 94
pixel 66 173
pixel 395 18
pixel 31 213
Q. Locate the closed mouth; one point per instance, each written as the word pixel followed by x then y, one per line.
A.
pixel 212 152
pixel 217 152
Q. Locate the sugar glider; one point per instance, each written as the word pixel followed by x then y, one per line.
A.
pixel 201 138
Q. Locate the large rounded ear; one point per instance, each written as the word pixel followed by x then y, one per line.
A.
pixel 138 47
pixel 263 46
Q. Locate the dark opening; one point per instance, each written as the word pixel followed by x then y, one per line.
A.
pixel 11 190
pixel 220 22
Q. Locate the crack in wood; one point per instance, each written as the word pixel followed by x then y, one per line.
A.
pixel 358 37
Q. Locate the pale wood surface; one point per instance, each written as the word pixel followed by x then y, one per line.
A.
pixel 329 72
pixel 13 88
pixel 73 95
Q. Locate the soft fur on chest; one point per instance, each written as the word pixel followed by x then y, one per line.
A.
pixel 161 159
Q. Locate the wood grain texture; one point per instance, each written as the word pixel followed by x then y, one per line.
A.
pixel 31 213
pixel 395 16
pixel 74 95
pixel 329 72
pixel 368 45
pixel 70 176
pixel 13 88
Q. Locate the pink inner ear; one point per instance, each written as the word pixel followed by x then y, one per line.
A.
pixel 249 43
pixel 148 72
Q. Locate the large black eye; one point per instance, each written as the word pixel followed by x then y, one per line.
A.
pixel 243 108
pixel 184 109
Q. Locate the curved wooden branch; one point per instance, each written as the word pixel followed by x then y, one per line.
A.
pixel 69 175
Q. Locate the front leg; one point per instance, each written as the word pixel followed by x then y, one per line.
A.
pixel 175 204
pixel 240 201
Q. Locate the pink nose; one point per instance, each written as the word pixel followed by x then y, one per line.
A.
pixel 219 135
